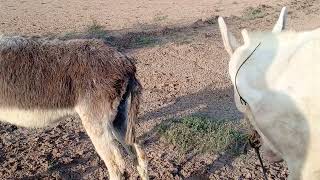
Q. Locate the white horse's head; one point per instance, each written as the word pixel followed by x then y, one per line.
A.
pixel 238 53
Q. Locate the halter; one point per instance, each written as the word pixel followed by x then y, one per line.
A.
pixel 244 102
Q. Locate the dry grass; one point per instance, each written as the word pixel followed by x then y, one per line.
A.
pixel 200 134
pixel 160 18
pixel 92 31
pixel 96 30
pixel 251 13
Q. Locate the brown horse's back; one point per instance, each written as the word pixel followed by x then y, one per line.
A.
pixel 36 73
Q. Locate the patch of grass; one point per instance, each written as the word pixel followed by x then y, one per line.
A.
pixel 70 35
pixel 95 30
pixel 52 164
pixel 144 40
pixel 160 18
pixel 200 134
pixel 251 13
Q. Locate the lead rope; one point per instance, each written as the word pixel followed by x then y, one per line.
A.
pixel 264 171
pixel 256 146
pixel 244 102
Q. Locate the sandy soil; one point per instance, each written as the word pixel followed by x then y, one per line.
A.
pixel 59 15
pixel 183 71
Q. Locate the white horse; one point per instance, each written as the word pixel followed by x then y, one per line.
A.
pixel 275 81
pixel 42 81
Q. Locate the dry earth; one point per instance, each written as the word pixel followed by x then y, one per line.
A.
pixel 182 66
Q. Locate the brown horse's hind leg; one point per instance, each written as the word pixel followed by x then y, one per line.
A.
pixel 142 163
pixel 97 123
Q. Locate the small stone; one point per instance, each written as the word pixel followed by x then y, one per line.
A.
pixel 248 176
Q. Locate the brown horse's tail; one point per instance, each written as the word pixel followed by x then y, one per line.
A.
pixel 135 93
pixel 128 109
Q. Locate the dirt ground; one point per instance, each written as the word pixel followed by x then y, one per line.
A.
pixel 181 63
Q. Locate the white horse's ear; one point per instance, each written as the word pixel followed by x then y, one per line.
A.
pixel 229 41
pixel 281 23
pixel 245 36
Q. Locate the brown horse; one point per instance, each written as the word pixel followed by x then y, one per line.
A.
pixel 42 81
